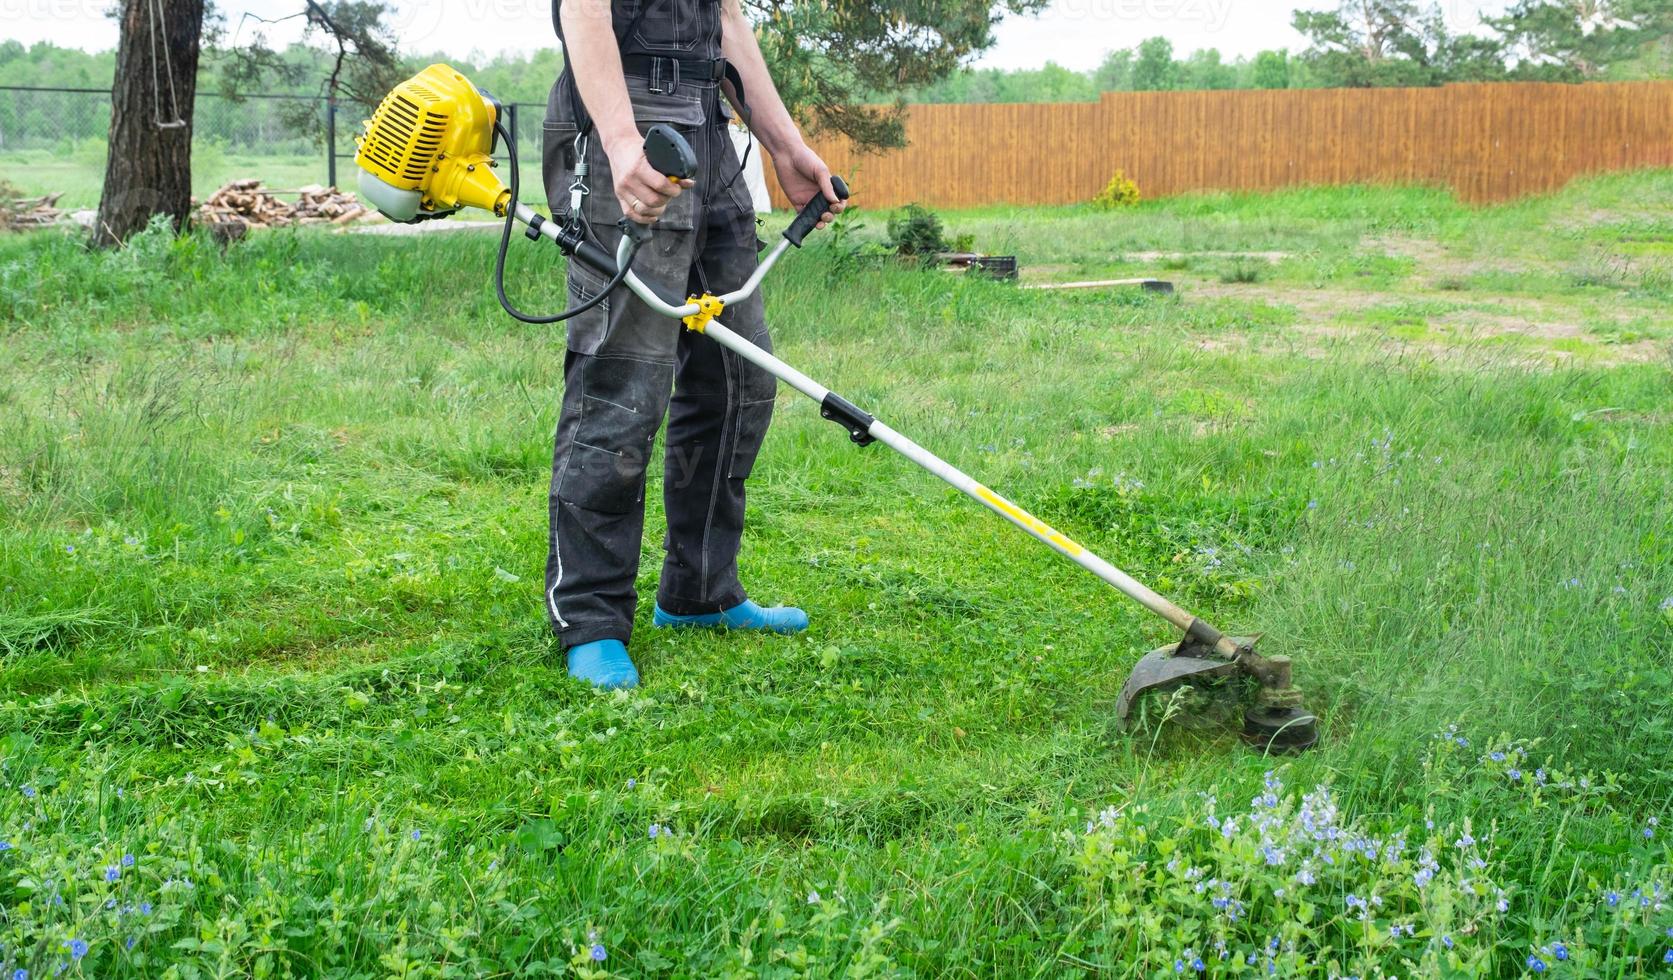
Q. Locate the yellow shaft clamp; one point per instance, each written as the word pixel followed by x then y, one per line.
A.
pixel 708 307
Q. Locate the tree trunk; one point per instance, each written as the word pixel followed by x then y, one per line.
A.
pixel 149 168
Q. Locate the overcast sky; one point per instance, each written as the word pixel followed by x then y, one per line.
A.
pixel 1073 33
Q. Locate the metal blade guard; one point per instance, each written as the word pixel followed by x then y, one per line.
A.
pixel 1276 723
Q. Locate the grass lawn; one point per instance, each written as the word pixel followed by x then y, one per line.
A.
pixel 277 697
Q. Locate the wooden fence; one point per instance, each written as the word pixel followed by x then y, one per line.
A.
pixel 1489 142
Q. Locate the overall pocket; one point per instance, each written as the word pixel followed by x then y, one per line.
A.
pixel 675 26
pixel 620 414
pixel 587 331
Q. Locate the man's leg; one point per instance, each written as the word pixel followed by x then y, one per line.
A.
pixel 617 377
pixel 717 420
pixel 612 407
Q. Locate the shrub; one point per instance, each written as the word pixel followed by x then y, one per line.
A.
pixel 1121 192
pixel 1244 269
pixel 916 230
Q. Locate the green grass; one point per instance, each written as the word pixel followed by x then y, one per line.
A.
pixel 271 532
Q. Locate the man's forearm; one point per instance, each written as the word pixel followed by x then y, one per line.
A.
pixel 596 66
pixel 769 120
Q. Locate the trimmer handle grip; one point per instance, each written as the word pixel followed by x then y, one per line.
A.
pixel 813 211
pixel 669 153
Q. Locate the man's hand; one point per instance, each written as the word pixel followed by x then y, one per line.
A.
pixel 802 174
pixel 644 194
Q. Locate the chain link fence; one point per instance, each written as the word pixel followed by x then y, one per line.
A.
pixel 284 140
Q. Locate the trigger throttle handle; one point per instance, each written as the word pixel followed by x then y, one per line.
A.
pixel 813 211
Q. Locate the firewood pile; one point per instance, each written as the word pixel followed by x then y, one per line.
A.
pixel 29 212
pixel 246 203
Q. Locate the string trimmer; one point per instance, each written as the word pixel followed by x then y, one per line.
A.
pixel 427 152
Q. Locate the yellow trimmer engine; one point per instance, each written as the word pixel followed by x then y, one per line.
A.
pixel 426 150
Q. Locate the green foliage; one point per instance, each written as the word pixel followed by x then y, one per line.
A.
pixel 1121 192
pixel 1293 885
pixel 44 64
pixel 1154 69
pixel 1242 269
pixel 1271 70
pixel 916 230
pixel 1363 44
pixel 1566 42
pixel 830 61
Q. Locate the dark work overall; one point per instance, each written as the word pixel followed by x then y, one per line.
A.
pixel 626 366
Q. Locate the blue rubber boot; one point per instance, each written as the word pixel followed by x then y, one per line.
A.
pixel 746 615
pixel 604 664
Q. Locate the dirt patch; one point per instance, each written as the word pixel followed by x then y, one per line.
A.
pixel 1166 256
pixel 1420 250
pixel 1308 302
pixel 1321 311
pixel 1434 261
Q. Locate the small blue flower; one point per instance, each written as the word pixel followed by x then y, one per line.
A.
pixel 69 549
pixel 28 792
pixel 112 873
pixel 20 974
pixel 1198 965
pixel 1559 951
pixel 417 834
pixel 1649 832
pixel 1536 964
pixel 145 908
pixel 1496 756
pixel 1446 941
pixel 1613 898
pixel 78 948
pixel 1515 775
pixel 1668 957
pixel 1179 966
pixel 655 830
pixel 127 860
pixel 5 845
pixel 129 945
pixel 631 782
pixel 598 953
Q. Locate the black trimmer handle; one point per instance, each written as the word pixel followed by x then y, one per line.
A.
pixel 669 153
pixel 814 210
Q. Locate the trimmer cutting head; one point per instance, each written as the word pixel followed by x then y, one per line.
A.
pixel 1276 723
